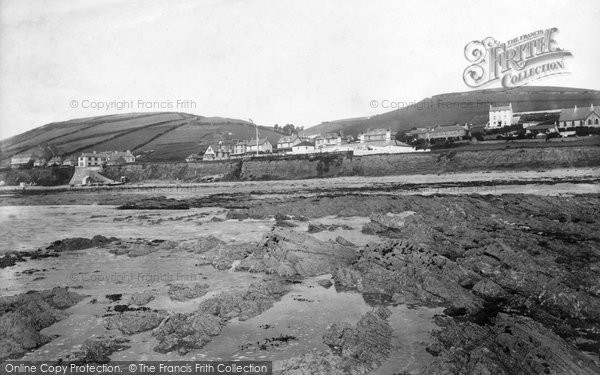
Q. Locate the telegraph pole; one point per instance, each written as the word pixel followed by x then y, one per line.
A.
pixel 256 126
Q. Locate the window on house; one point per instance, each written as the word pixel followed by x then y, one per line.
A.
pixel 596 122
pixel 589 121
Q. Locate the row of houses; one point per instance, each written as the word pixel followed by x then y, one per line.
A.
pixel 567 119
pixel 437 133
pixel 375 141
pixel 97 159
pixel 86 159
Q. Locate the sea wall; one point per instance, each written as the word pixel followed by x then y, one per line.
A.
pixel 300 167
pixel 189 172
pixel 422 163
pixel 315 166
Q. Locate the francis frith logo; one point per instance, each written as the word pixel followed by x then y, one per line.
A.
pixel 516 62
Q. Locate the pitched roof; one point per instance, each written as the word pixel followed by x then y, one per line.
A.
pixel 440 128
pixel 108 154
pixel 574 114
pixel 542 127
pixel 260 141
pixel 305 144
pixel 93 154
pixel 417 131
pixel 24 155
pixel 437 129
pixel 376 132
pixel 501 108
pixel 287 138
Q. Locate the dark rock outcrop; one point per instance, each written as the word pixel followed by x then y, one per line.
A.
pixel 141 298
pixel 54 249
pixel 206 243
pixel 317 227
pixel 137 248
pixel 388 224
pixel 182 332
pixel 184 292
pixel 509 345
pixel 97 349
pixel 325 283
pixel 364 347
pixel 408 273
pixel 225 256
pixel 155 203
pixel 356 350
pixel 244 304
pixel 289 253
pixel 23 316
pixel 78 243
pixel 134 320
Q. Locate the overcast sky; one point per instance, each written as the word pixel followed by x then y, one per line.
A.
pixel 274 61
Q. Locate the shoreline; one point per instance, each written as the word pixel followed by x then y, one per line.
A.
pixel 448 183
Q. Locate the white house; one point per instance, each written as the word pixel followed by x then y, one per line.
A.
pixel 285 144
pixel 240 147
pixel 21 160
pixel 192 158
pixel 91 159
pixel 382 147
pixel 330 139
pixel 97 159
pixel 303 148
pixel 264 146
pixel 500 116
pixel 209 153
pixel 376 135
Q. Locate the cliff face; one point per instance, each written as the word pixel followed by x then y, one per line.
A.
pixel 372 165
pixel 422 163
pixel 188 172
pixel 54 176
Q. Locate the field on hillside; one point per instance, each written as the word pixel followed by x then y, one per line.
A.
pixel 464 107
pixel 170 136
pixel 192 137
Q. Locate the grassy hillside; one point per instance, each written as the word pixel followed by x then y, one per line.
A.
pixel 159 136
pixel 171 136
pixel 461 107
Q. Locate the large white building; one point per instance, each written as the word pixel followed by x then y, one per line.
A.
pixel 97 159
pixel 500 116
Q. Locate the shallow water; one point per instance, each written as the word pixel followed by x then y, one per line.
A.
pixel 31 227
pixel 293 326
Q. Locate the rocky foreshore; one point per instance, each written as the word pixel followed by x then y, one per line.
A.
pixel 516 276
